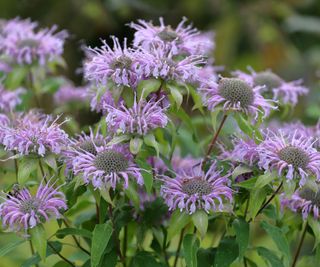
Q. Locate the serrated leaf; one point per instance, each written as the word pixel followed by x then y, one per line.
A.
pixel 146 87
pixel 39 240
pixel 241 228
pixel 178 221
pixel 5 249
pixel 50 160
pixel 61 233
pixel 146 172
pixel 264 179
pixel 190 248
pixel 150 140
pixel 227 252
pixel 278 237
pixel 100 238
pixel 270 256
pixel 256 200
pixel 200 221
pixel 25 168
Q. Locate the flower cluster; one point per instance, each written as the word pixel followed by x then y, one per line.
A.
pixel 9 99
pixel 70 93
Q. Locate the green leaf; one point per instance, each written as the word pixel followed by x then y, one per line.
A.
pixel 315 226
pixel 61 233
pixel 270 256
pixel 248 184
pixel 39 240
pixel 176 94
pixel 190 248
pixel 145 259
pixel 100 238
pixel 200 220
pixel 241 228
pixel 289 186
pixel 241 169
pixel 135 145
pixel 256 200
pixel 146 87
pixel 279 238
pixel 50 160
pixel 15 78
pixel 265 179
pixel 133 195
pixel 9 247
pixel 110 259
pixel 205 257
pixel 25 168
pixel 227 252
pixel 150 140
pixel 119 139
pixel 128 96
pixel 146 172
pixel 178 221
pixel 244 124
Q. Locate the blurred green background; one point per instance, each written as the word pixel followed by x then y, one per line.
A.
pixel 282 35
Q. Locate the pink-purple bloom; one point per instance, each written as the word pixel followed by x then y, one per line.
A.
pixel 235 94
pixel 70 93
pixel 100 97
pixel 285 92
pixel 117 64
pixel 107 167
pixel 305 200
pixel 291 155
pixel 9 99
pixel 34 133
pixel 197 190
pixel 23 210
pixel 141 118
pixel 23 43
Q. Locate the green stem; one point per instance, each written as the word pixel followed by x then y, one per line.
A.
pixel 32 251
pixel 60 255
pixel 179 247
pixel 296 256
pixel 42 171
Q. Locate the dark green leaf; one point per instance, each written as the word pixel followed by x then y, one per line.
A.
pixel 227 252
pixel 241 228
pixel 270 256
pixel 61 233
pixel 145 259
pixel 205 257
pixel 190 248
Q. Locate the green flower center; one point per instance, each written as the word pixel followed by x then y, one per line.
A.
pixel 196 185
pixel 167 35
pixel 295 156
pixel 267 78
pixel 311 195
pixel 89 146
pixel 122 62
pixel 236 91
pixel 29 205
pixel 111 162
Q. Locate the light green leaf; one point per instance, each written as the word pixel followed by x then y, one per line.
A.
pixel 135 145
pixel 190 248
pixel 241 228
pixel 100 239
pixel 5 249
pixel 257 197
pixel 289 186
pixel 244 124
pixel 176 94
pixel 146 172
pixel 119 139
pixel 265 179
pixel 61 233
pixel 270 256
pixel 146 87
pixel 39 240
pixel 50 160
pixel 150 140
pixel 200 220
pixel 25 168
pixel 248 184
pixel 241 169
pixel 315 226
pixel 178 221
pixel 133 195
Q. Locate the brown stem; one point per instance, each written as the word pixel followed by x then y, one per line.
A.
pixel 214 139
pixel 97 213
pixel 60 255
pixel 32 251
pixel 16 169
pixel 42 171
pixel 179 247
pixel 296 256
pixel 269 200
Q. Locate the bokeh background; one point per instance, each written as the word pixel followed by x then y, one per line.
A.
pixel 283 35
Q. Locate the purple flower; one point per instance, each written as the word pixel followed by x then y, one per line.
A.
pixel 21 42
pixel 197 190
pixel 291 155
pixel 235 94
pixel 141 118
pixel 4 122
pixel 9 99
pixel 181 40
pixel 35 133
pixel 305 200
pixel 24 210
pixel 69 93
pixel 100 97
pixel 107 167
pixel 160 63
pixel 117 64
pixel 286 92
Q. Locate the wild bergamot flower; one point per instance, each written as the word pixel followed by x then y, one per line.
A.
pixel 235 94
pixel 197 190
pixel 291 155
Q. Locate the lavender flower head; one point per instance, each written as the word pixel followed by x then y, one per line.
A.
pixel 305 200
pixel 107 167
pixel 236 94
pixel 286 92
pixel 100 97
pixel 198 190
pixel 181 40
pixel 9 99
pixel 160 63
pixel 21 42
pixel 23 210
pixel 291 155
pixel 35 133
pixel 117 64
pixel 70 93
pixel 141 118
